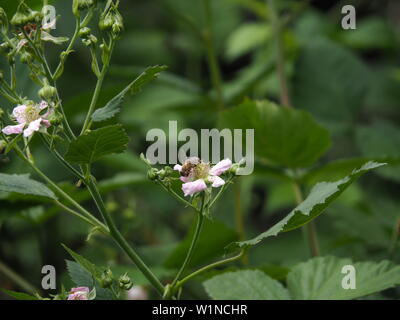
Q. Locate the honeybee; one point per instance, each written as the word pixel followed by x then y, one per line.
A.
pixel 189 164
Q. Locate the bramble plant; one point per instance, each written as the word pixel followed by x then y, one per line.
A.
pixel 288 143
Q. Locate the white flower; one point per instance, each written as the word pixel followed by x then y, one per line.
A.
pixel 29 119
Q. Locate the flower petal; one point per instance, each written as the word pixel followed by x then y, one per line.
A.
pixel 43 105
pixel 216 181
pixel 221 167
pixel 190 188
pixel 79 289
pixel 33 126
pixel 178 167
pixel 17 129
pixel 19 113
pixel 184 179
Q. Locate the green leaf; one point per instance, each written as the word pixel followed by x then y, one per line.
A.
pixel 330 82
pixel 19 295
pixel 320 197
pixel 86 264
pixel 91 146
pixel 82 278
pixel 24 185
pixel 113 106
pixel 246 38
pixel 284 136
pixel 245 285
pixel 321 278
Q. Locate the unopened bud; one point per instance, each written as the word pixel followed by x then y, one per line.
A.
pixel 125 282
pixel 91 40
pixel 80 5
pixel 47 92
pixel 84 32
pixel 112 21
pixel 106 279
pixel 25 15
pixel 152 174
pixel 26 57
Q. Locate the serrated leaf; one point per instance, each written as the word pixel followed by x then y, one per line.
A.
pixel 283 136
pixel 91 146
pixel 321 278
pixel 245 285
pixel 82 278
pixel 320 197
pixel 86 264
pixel 19 295
pixel 24 185
pixel 113 106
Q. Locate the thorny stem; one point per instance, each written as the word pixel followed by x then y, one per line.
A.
pixel 212 57
pixel 280 59
pixel 310 231
pixel 118 237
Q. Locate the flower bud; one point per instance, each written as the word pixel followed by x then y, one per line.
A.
pixel 80 5
pixel 91 40
pixel 125 282
pixel 112 21
pixel 3 21
pixel 152 174
pixel 26 57
pixel 1 113
pixel 47 92
pixel 25 15
pixel 106 279
pixel 1 78
pixel 84 32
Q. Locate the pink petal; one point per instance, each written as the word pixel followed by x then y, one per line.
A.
pixel 46 123
pixel 78 296
pixel 184 179
pixel 190 188
pixel 17 129
pixel 19 113
pixel 79 289
pixel 216 181
pixel 178 167
pixel 221 167
pixel 33 127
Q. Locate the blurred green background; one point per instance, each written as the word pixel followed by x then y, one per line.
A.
pixel 349 80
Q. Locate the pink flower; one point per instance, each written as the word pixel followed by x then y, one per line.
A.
pixel 137 293
pixel 196 174
pixel 79 293
pixel 29 119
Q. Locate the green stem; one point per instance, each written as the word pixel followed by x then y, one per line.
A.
pixel 395 238
pixel 97 91
pixel 280 59
pixel 17 279
pixel 208 267
pixel 212 57
pixel 62 194
pixel 309 230
pixel 70 46
pixel 120 240
pixel 199 226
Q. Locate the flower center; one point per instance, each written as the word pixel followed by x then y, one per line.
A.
pixel 201 171
pixel 31 113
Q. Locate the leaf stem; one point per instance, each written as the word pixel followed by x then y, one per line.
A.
pixel 196 235
pixel 97 91
pixel 212 57
pixel 120 240
pixel 17 279
pixel 210 266
pixel 280 59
